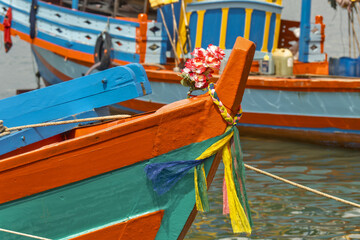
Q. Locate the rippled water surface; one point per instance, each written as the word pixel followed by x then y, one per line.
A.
pixel 281 211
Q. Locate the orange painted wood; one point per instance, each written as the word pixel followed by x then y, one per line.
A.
pixel 237 63
pixel 144 227
pixel 300 121
pixel 171 127
pixel 141 37
pixel 321 68
pixel 31 147
pixel 323 84
pixel 140 105
pixel 336 139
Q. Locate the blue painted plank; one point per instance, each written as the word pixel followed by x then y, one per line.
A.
pixel 76 96
pixel 271 32
pixel 236 26
pixel 193 28
pixel 257 28
pixel 211 28
pixel 28 136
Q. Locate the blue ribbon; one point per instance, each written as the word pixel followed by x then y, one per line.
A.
pixel 165 175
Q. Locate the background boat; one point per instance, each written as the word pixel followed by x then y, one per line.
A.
pixel 297 107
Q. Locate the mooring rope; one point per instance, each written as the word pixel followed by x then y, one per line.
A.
pixel 23 234
pixel 4 130
pixel 177 60
pixel 303 187
pixel 230 120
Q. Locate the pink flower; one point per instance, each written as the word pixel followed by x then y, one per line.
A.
pixel 216 52
pixel 199 53
pixel 200 81
pixel 199 69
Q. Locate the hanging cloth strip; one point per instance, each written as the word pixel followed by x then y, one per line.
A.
pixel 165 175
pixel 32 18
pixel 7 27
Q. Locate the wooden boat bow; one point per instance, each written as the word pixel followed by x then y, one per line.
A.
pixel 110 150
pixel 231 92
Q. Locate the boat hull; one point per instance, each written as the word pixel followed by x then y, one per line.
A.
pixel 97 181
pixel 322 110
pixel 120 204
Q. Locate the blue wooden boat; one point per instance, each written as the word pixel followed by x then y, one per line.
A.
pixel 80 98
pixel 100 181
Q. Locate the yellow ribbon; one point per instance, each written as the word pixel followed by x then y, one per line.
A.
pixel 239 220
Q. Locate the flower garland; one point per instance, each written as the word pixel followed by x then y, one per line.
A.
pixel 198 70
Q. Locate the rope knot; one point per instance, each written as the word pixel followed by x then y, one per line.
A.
pixel 3 130
pixel 224 113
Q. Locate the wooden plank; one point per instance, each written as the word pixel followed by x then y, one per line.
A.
pixel 79 95
pixel 28 136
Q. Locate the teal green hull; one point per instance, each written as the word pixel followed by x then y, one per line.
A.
pixel 104 200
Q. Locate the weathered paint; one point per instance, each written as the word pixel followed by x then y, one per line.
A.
pixel 78 95
pixel 77 40
pixel 143 227
pixel 25 137
pixel 106 200
pixel 312 91
pixel 86 175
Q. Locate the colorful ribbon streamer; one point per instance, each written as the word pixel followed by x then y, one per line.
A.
pixel 165 175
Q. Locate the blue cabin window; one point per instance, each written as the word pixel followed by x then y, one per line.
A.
pixel 235 26
pixel 211 28
pixel 257 27
pixel 193 28
pixel 271 32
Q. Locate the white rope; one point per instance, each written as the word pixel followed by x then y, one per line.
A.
pixel 169 36
pixel 302 186
pixel 177 31
pixel 23 234
pixel 4 130
pixel 185 22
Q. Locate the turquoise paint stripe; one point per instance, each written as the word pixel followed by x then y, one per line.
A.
pixel 211 29
pixel 257 27
pixel 107 198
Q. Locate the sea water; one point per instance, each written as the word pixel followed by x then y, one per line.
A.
pixel 279 211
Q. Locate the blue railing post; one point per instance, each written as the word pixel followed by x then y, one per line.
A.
pixel 75 4
pixel 304 31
